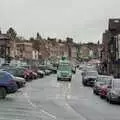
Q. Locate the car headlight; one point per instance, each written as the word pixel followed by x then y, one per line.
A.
pixel 58 74
pixel 114 94
pixel 70 74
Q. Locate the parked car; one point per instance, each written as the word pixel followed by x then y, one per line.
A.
pixel 89 78
pixel 7 84
pixel 27 75
pixel 34 75
pixel 42 67
pixel 104 88
pixel 40 73
pixel 17 71
pixel 113 94
pixel 24 73
pixel 31 74
pixel 19 80
pixel 20 72
pixel 52 69
pixel 100 81
pixel 87 68
pixel 48 72
pixel 45 69
pixel 81 66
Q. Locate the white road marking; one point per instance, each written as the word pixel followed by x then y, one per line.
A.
pixel 35 106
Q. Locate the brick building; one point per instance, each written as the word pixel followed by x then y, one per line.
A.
pixel 24 50
pixel 6 47
pixel 110 53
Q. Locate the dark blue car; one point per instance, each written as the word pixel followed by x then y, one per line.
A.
pixel 7 84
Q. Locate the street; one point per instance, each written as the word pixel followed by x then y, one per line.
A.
pixel 48 99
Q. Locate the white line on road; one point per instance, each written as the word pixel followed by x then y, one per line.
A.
pixel 35 106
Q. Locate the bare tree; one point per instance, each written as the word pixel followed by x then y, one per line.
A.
pixel 11 33
pixel 38 37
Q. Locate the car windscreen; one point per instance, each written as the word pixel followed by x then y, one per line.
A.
pixel 103 79
pixel 92 73
pixel 108 81
pixel 64 68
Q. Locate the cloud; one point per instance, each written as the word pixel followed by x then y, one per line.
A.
pixel 84 20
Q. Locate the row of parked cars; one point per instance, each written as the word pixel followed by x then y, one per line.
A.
pixel 13 78
pixel 106 87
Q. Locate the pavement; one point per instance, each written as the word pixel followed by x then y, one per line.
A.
pixel 48 99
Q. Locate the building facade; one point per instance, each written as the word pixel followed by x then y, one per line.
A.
pixel 110 49
pixel 24 51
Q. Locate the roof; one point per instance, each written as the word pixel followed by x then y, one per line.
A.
pixel 5 72
pixel 117 79
pixel 64 61
pixel 24 43
pixel 4 37
pixel 104 76
pixel 91 71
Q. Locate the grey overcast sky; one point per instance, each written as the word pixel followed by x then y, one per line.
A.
pixel 84 20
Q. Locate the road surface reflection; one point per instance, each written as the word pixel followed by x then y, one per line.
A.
pixel 64 90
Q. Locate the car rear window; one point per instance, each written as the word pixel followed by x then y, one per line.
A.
pixel 64 68
pixel 108 81
pixel 104 79
pixel 92 73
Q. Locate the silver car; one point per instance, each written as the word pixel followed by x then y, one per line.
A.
pixel 113 94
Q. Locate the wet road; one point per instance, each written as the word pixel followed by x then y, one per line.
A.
pixel 47 99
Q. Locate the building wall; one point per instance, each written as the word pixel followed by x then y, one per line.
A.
pixel 84 51
pixel 110 51
pixel 24 50
pixel 35 55
pixel 73 52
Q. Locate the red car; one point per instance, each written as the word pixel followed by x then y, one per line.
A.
pixel 29 74
pixel 33 74
pixel 105 88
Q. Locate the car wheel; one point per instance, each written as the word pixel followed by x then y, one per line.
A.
pixel 107 99
pixel 94 92
pixel 18 85
pixel 101 96
pixel 69 79
pixel 27 79
pixel 3 93
pixel 84 84
pixel 42 75
pixel 110 101
pixel 34 77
